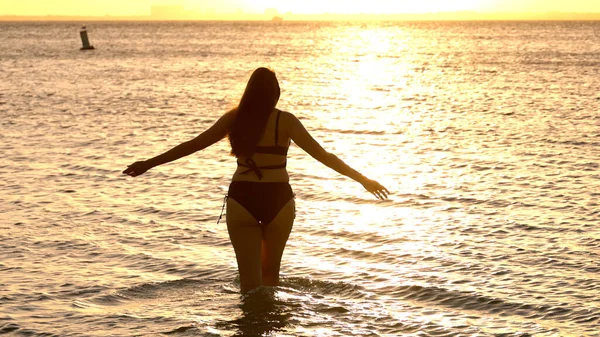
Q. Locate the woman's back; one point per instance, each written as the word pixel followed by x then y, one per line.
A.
pixel 267 164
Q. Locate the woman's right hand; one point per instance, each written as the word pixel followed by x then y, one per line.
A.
pixel 137 168
pixel 375 188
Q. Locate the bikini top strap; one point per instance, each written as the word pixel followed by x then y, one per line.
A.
pixel 277 128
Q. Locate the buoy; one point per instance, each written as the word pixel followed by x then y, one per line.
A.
pixel 84 39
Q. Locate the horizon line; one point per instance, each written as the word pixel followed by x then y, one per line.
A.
pixel 289 16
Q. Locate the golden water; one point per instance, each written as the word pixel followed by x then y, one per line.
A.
pixel 486 133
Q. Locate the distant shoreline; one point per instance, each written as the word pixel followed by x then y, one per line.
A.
pixel 450 16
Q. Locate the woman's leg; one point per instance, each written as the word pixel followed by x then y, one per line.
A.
pixel 246 236
pixel 275 236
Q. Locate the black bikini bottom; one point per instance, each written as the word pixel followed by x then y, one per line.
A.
pixel 262 200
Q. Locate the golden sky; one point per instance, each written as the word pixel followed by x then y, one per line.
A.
pixel 142 7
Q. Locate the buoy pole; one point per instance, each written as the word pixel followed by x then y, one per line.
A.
pixel 84 39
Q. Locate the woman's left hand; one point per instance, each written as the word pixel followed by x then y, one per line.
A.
pixel 137 168
pixel 378 190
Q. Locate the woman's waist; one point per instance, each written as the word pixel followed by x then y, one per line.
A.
pixel 259 189
pixel 267 176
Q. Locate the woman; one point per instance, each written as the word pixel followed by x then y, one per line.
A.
pixel 260 203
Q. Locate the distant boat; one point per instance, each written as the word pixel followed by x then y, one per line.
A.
pixel 277 18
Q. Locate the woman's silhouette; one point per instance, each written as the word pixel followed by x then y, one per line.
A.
pixel 260 203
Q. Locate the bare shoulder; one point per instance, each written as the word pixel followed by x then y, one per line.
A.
pixel 288 118
pixel 228 117
pixel 223 124
pixel 286 114
pixel 231 113
pixel 287 122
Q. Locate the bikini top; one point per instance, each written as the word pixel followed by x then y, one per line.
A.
pixel 275 149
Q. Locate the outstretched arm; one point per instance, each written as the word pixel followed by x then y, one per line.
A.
pixel 301 137
pixel 215 133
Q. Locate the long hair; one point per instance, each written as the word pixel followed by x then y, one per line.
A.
pixel 259 99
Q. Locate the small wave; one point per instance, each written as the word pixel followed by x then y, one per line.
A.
pixel 83 168
pixel 578 64
pixel 161 289
pixel 590 242
pixel 8 328
pixel 349 236
pixel 323 287
pixel 351 132
pixel 571 142
pixel 168 291
pixel 104 300
pixel 472 301
pixel 589 166
pixel 526 227
pixel 380 257
pixel 86 292
pixel 183 330
pixel 13 328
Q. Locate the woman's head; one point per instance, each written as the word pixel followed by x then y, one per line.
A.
pixel 262 89
pixel 258 101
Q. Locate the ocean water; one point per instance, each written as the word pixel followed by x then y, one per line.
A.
pixel 487 134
